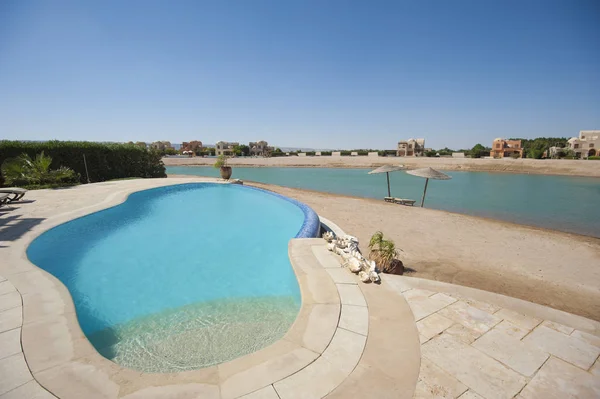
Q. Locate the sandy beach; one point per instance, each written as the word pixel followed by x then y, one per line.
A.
pixel 527 166
pixel 550 268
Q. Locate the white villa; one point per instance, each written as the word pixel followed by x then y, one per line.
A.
pixel 586 145
pixel 225 147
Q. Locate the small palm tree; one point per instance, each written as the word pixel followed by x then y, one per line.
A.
pixel 384 253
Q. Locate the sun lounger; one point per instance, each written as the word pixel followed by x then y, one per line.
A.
pixel 403 201
pixel 4 199
pixel 16 192
pixel 388 199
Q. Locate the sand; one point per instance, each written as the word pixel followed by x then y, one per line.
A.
pixel 551 268
pixel 528 166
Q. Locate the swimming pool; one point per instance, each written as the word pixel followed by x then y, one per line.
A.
pixel 181 277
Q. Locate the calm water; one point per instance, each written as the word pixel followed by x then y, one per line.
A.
pixel 557 202
pixel 181 277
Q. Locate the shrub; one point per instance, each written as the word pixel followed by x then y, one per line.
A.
pixel 221 162
pixel 345 153
pixel 104 161
pixel 595 158
pixel 384 253
pixel 33 172
pixel 326 153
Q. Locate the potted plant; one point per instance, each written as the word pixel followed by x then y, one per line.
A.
pixel 222 165
pixel 384 253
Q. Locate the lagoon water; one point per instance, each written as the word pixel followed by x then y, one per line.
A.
pixel 565 203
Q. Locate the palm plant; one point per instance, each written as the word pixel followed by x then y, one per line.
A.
pixel 384 253
pixel 24 170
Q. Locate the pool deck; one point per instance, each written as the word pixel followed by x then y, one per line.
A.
pixel 404 338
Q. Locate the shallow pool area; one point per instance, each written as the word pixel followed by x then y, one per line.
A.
pixel 181 277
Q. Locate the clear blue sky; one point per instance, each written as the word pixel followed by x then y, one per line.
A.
pixel 306 73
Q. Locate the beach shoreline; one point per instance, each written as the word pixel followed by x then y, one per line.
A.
pixel 562 167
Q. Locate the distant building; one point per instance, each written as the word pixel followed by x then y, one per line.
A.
pixel 502 148
pixel 225 148
pixel 411 148
pixel 260 148
pixel 161 145
pixel 192 146
pixel 458 155
pixel 586 145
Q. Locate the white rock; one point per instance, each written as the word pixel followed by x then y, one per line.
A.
pixel 374 277
pixel 354 265
pixel 364 277
pixel 331 246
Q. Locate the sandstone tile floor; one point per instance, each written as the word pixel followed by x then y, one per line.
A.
pixel 472 349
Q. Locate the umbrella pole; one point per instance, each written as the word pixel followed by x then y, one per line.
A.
pixel 424 192
pixel 388 179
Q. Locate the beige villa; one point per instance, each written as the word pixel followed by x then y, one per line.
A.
pixel 586 145
pixel 260 148
pixel 411 148
pixel 225 147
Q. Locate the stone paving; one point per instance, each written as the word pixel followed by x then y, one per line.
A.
pixel 474 349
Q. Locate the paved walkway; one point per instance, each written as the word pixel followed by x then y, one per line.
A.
pixel 472 349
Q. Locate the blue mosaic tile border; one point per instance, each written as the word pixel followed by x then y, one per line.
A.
pixel 310 228
pixel 312 224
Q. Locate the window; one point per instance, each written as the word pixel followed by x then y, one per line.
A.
pixel 582 137
pixel 576 146
pixel 591 145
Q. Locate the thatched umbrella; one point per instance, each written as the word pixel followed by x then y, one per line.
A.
pixel 428 173
pixel 387 169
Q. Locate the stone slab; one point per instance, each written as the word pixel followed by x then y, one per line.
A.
pixel 476 370
pixel 314 326
pixel 433 325
pixel 325 257
pixel 10 300
pixel 13 372
pixel 6 287
pixel 264 393
pixel 559 380
pixel 266 373
pixel 558 327
pixel 31 390
pixel 521 320
pixel 10 343
pixel 462 333
pixel 10 319
pixel 589 338
pixel 315 381
pixel 342 276
pixel 345 350
pixel 351 294
pixel 519 356
pixel 436 383
pixel 470 395
pixel 422 304
pixel 566 347
pixel 470 317
pixel 355 318
pixel 511 329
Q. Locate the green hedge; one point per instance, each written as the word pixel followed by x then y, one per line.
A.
pixel 594 158
pixel 104 161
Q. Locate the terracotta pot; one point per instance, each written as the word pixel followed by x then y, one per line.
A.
pixel 225 172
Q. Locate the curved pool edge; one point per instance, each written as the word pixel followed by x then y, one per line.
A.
pixel 63 361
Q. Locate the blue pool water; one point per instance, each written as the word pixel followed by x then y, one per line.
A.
pixel 565 203
pixel 180 277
